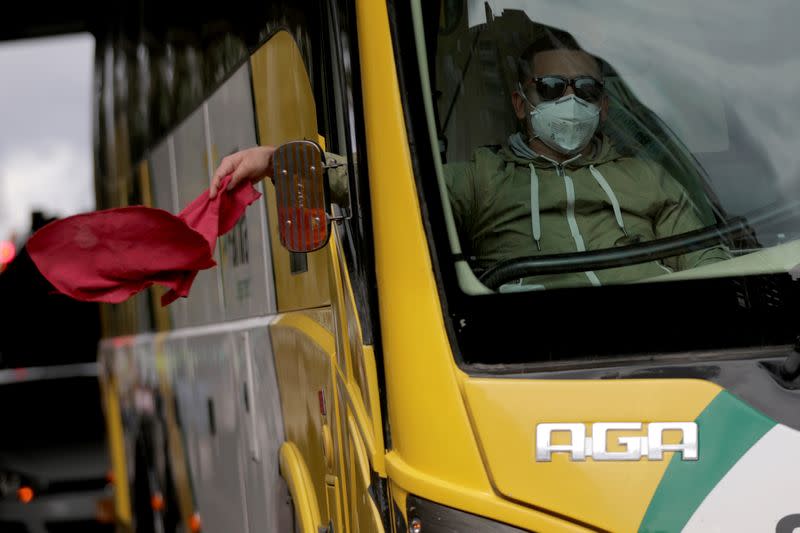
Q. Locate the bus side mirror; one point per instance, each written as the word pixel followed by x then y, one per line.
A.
pixel 301 192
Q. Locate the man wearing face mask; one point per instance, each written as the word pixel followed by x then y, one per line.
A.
pixel 559 186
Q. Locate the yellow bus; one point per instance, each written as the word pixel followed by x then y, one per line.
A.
pixel 469 337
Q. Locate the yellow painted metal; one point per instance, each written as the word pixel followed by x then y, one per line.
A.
pixel 613 495
pixel 327 448
pixel 285 111
pixel 399 497
pixel 360 378
pixel 143 174
pixel 344 345
pixel 472 502
pixel 333 491
pixel 161 316
pixel 336 479
pixel 426 411
pixel 299 482
pixel 176 449
pixel 371 373
pixel 356 410
pixel 304 354
pixel 341 364
pixel 116 447
pixel 360 452
pixel 483 503
pixel 359 425
pixel 308 328
pixel 364 513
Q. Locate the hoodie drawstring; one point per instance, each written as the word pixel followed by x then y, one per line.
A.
pixel 611 197
pixel 522 150
pixel 536 225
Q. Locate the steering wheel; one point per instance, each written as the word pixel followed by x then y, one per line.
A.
pixel 523 267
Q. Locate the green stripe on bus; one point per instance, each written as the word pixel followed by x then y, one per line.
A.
pixel 726 428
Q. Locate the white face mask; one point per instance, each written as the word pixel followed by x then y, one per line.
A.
pixel 566 124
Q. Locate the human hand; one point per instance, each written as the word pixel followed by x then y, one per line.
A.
pixel 251 164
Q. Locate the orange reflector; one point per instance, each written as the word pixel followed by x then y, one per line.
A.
pixel 110 477
pixel 194 523
pixel 25 494
pixel 104 511
pixel 157 502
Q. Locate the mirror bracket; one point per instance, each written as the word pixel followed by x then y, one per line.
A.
pixel 347 214
pixel 340 218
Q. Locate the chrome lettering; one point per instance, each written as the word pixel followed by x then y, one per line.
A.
pixel 635 447
pixel 577 446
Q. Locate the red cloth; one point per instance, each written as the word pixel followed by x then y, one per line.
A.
pixel 108 256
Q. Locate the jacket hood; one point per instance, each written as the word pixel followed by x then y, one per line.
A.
pixel 518 151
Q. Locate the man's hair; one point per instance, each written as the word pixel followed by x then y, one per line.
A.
pixel 550 39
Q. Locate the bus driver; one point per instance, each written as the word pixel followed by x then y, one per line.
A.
pixel 558 186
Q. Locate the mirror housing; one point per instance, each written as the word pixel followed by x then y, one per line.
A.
pixel 302 193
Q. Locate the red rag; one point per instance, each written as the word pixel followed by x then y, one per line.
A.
pixel 110 255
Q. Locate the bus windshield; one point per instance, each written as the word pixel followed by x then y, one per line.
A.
pixel 582 145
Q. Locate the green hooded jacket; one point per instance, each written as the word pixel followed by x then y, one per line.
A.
pixel 512 202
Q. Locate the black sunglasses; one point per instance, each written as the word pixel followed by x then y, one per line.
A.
pixel 553 87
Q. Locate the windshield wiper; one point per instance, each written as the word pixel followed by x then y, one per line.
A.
pixel 786 372
pixel 790 368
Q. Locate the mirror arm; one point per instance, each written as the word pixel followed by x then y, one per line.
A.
pixel 343 191
pixel 341 218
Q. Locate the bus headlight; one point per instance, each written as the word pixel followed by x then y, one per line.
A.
pixel 424 516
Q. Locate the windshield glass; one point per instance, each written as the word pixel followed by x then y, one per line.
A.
pixel 612 179
pixel 587 144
